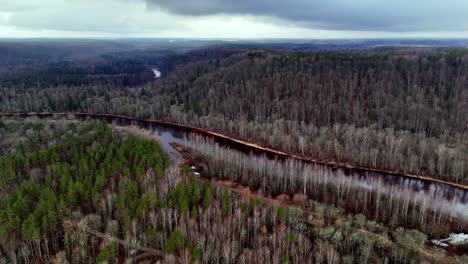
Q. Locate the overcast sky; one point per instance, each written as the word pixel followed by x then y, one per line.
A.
pixel 234 18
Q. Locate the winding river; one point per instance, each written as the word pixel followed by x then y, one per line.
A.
pixel 449 197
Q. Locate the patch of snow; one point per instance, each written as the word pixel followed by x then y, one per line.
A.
pixel 157 73
pixel 439 243
pixel 453 240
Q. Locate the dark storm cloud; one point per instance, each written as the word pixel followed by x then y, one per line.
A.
pixel 361 15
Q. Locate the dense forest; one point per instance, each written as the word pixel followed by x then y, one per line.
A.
pixel 318 196
pixel 36 64
pixel 85 192
pixel 58 173
pixel 392 205
pixel 77 74
pixel 89 192
pixel 403 110
pixel 390 111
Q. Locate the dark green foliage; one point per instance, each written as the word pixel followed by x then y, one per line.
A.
pixel 291 238
pixel 225 203
pixel 186 196
pixel 176 242
pixel 197 254
pixel 281 215
pixel 207 194
pixel 185 169
pixel 108 254
pixel 247 207
pixel 128 199
pixel 44 185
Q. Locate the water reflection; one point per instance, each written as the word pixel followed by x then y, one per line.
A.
pixel 167 136
pixel 441 196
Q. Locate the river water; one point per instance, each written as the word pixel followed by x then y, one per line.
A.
pixel 449 198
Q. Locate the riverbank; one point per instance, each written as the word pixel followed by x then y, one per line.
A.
pixel 194 159
pixel 239 142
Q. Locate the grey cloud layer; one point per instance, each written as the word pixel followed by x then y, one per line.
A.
pixel 360 15
pixel 225 18
pixel 106 16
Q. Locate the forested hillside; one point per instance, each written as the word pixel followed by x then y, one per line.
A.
pixel 399 110
pixel 402 112
pixel 77 74
pixel 56 174
pixel 344 220
pixel 36 64
pixel 84 192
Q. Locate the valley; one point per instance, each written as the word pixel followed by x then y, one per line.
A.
pixel 287 153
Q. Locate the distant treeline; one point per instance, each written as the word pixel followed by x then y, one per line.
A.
pixel 79 73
